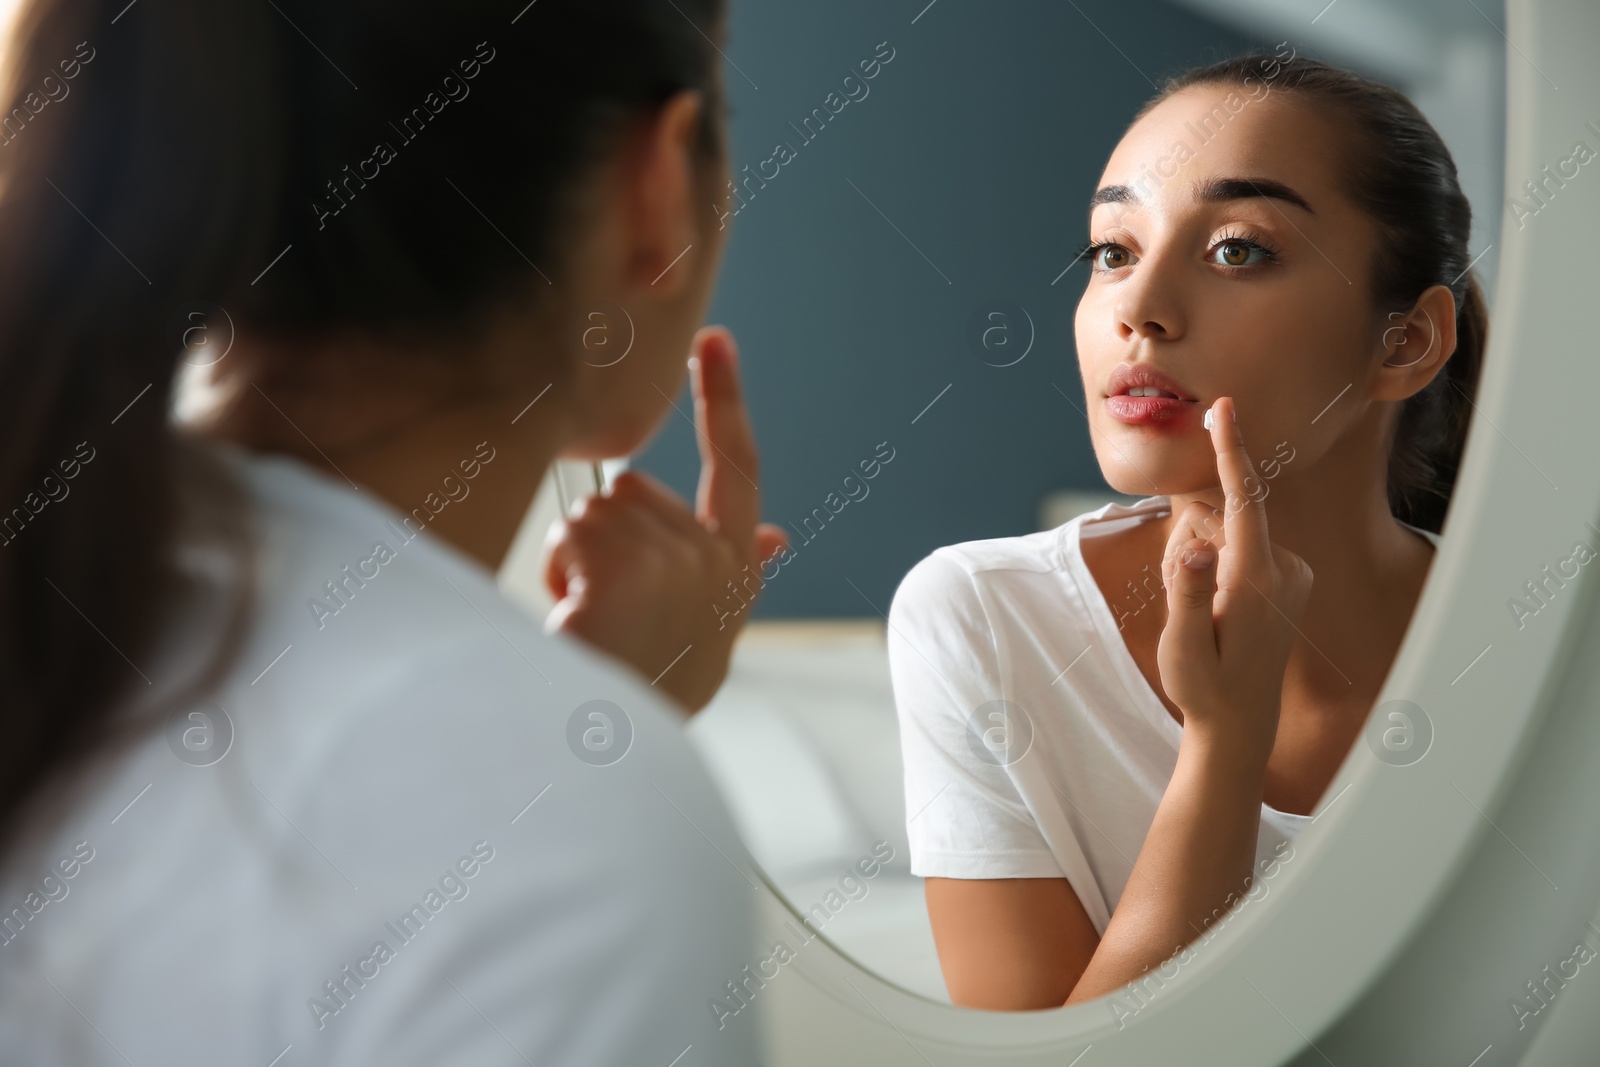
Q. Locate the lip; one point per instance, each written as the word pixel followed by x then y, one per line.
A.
pixel 1128 376
pixel 1147 410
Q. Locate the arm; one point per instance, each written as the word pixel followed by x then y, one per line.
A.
pixel 1196 859
pixel 1009 944
pixel 1015 944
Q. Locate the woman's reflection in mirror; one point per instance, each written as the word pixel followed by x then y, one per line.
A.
pixel 1279 265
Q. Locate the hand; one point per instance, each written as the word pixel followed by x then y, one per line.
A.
pixel 638 576
pixel 1230 620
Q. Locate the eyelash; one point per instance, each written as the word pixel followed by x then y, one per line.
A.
pixel 1249 240
pixel 1092 249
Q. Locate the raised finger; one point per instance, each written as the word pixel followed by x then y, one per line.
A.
pixel 729 499
pixel 1244 518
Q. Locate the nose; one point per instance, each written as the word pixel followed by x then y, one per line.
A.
pixel 1149 305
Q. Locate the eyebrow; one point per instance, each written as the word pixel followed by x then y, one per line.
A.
pixel 1211 191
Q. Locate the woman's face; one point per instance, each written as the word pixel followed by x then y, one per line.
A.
pixel 1230 262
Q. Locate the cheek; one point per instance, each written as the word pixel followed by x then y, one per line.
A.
pixel 1328 334
pixel 1081 322
pixel 1286 341
pixel 1264 347
pixel 1089 335
pixel 1293 393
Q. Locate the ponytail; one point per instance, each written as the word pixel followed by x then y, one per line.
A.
pixel 112 212
pixel 1432 432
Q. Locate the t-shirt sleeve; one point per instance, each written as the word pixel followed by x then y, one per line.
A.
pixel 958 737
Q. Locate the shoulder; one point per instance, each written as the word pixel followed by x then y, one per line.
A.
pixel 341 578
pixel 609 843
pixel 1034 553
pixel 389 695
pixel 575 770
pixel 956 574
pixel 954 622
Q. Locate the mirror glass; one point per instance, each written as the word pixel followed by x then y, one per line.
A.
pixel 902 276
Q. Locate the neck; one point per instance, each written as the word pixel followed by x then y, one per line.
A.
pixel 465 461
pixel 468 474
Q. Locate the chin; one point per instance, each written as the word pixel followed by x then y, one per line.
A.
pixel 1154 479
pixel 622 439
pixel 596 449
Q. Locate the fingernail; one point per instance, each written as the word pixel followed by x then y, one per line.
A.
pixel 1198 559
pixel 1209 420
pixel 1233 412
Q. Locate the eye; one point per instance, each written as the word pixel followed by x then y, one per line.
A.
pixel 1241 252
pixel 1106 255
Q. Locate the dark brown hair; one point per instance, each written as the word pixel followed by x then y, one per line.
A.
pixel 161 154
pixel 1401 174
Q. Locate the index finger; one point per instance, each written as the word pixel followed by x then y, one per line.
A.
pixel 729 498
pixel 1244 519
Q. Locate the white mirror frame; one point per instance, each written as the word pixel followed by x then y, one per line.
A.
pixel 1369 877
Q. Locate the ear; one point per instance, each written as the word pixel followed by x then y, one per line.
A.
pixel 1416 344
pixel 660 180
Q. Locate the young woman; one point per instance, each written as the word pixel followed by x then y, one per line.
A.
pixel 1111 728
pixel 285 779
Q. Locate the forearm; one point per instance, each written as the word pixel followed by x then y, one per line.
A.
pixel 1200 849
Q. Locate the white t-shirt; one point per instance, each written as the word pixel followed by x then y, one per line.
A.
pixel 1033 745
pixel 400 857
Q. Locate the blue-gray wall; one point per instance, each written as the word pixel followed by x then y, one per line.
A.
pixel 977 146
